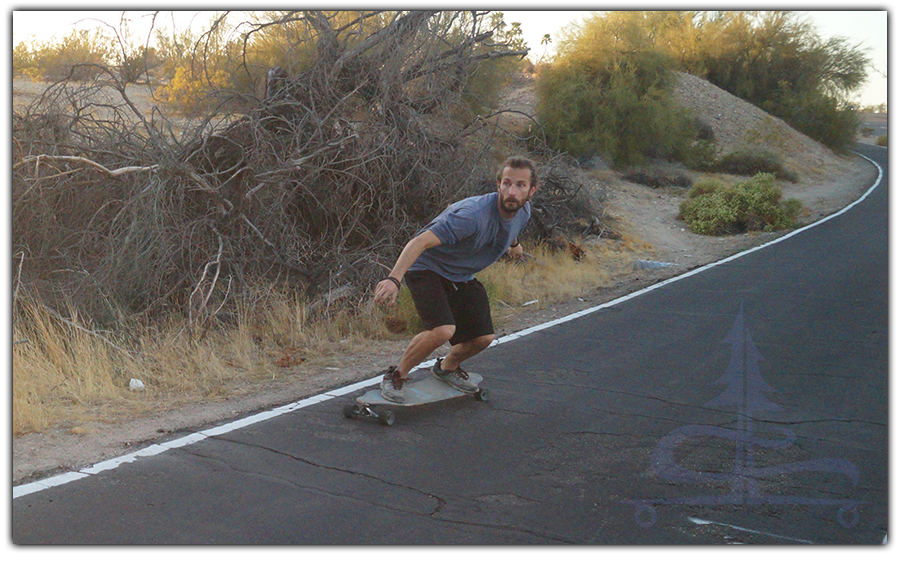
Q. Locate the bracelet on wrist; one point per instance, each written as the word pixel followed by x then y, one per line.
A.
pixel 394 280
pixel 514 244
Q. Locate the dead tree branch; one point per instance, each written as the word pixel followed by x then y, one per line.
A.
pixel 115 173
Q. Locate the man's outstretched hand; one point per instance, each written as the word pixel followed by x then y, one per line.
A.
pixel 386 292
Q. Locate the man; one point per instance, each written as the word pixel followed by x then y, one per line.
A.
pixel 439 265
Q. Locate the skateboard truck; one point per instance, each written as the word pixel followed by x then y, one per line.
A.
pixel 384 415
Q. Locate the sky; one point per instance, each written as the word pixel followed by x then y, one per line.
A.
pixel 867 26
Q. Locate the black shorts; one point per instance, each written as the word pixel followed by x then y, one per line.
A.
pixel 441 302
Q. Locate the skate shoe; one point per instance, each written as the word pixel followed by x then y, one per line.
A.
pixel 458 378
pixel 392 386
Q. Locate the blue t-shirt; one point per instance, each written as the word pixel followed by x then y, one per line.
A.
pixel 473 236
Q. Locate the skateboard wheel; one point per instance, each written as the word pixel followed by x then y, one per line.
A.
pixel 481 395
pixel 351 411
pixel 385 417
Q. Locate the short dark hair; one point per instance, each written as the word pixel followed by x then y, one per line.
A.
pixel 518 163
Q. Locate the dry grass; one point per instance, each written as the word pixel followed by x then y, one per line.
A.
pixel 67 374
pixel 551 276
pixel 61 374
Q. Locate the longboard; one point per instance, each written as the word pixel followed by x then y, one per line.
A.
pixel 421 389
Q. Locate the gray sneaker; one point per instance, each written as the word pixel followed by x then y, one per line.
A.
pixel 458 378
pixel 392 386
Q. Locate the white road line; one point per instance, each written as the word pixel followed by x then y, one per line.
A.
pixel 702 522
pixel 154 449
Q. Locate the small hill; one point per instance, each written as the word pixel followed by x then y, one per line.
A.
pixel 737 123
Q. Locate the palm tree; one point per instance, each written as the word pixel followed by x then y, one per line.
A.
pixel 545 42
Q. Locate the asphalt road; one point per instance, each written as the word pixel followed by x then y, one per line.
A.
pixel 876 122
pixel 745 403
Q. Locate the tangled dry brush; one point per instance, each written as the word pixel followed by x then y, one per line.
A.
pixel 312 185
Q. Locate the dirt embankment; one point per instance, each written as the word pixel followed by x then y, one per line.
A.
pixel 827 183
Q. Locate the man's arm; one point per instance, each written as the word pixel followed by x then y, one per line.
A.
pixel 386 290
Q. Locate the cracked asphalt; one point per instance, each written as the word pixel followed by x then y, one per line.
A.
pixel 568 448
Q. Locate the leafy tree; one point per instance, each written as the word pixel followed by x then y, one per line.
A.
pixel 778 62
pixel 173 49
pixel 608 92
pixel 23 61
pixel 773 59
pixel 197 66
pixel 132 58
pixel 490 75
pixel 72 57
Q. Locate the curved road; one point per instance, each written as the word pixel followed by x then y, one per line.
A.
pixel 746 402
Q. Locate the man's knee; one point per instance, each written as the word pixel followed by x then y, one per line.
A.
pixel 442 334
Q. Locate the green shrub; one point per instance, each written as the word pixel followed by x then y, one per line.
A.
pixel 752 160
pixel 714 209
pixel 708 186
pixel 882 140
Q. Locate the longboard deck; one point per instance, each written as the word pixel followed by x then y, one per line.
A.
pixel 422 388
pixel 419 390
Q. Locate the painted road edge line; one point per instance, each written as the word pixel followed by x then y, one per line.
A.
pixel 702 522
pixel 195 437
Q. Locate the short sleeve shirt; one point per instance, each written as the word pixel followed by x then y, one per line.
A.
pixel 473 236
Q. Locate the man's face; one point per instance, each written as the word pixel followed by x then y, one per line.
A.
pixel 515 190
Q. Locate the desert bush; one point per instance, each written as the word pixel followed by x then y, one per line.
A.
pixel 752 205
pixel 658 177
pixel 755 160
pixel 187 92
pixel 882 140
pixel 701 155
pixel 706 186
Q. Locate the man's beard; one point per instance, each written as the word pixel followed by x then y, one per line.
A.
pixel 511 205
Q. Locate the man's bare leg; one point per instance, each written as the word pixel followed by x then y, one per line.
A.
pixel 461 352
pixel 422 345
